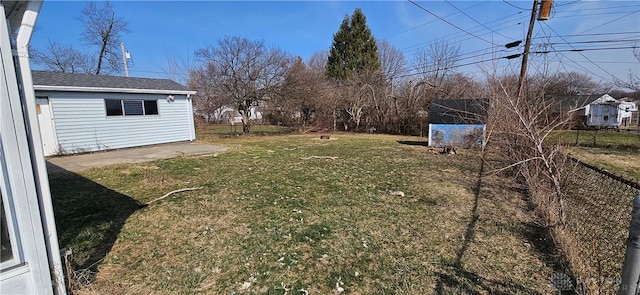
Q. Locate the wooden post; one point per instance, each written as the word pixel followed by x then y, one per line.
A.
pixel 525 54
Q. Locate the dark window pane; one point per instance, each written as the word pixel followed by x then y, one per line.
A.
pixel 114 107
pixel 150 107
pixel 132 107
pixel 6 253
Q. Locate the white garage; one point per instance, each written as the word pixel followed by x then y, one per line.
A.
pixel 81 113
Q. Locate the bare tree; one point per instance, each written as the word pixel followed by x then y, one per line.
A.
pixel 392 61
pixel 63 59
pixel 246 72
pixel 180 68
pixel 318 61
pixel 633 80
pixel 520 127
pixel 460 86
pixel 561 84
pixel 302 94
pixel 209 100
pixel 436 61
pixel 103 29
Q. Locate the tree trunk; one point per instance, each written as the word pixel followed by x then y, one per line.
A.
pixel 100 56
pixel 246 124
pixel 103 48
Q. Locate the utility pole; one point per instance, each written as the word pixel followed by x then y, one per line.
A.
pixel 525 55
pixel 545 9
pixel 125 55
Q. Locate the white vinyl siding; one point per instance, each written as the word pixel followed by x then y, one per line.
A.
pixel 82 124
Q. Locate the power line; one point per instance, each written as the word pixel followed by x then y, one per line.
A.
pixel 598 8
pixel 573 49
pixel 595 14
pixel 617 19
pixel 595 64
pixel 473 19
pixel 599 34
pixel 444 20
pixel 424 24
pixel 507 2
pixel 505 20
pixel 599 41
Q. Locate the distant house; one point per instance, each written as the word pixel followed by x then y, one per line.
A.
pixel 596 111
pixel 230 115
pixel 86 113
pixel 459 122
pixel 628 113
pixel 608 112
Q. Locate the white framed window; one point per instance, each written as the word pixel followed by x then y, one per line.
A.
pixel 130 107
pixel 11 255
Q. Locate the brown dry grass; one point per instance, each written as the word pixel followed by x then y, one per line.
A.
pixel 621 162
pixel 270 222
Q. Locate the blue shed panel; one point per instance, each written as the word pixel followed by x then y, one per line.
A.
pixel 456 134
pixel 82 125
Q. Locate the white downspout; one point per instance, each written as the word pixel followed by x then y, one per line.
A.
pixel 192 129
pixel 36 149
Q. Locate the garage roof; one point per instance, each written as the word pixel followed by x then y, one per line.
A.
pixel 57 81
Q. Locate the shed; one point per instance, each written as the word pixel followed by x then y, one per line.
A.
pixel 85 113
pixel 459 122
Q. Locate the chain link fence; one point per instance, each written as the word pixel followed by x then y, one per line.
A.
pixel 598 209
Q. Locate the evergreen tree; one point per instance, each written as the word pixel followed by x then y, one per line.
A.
pixel 354 49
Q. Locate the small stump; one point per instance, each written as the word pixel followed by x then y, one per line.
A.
pixel 324 136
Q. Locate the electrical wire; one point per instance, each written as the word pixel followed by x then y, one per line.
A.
pixel 595 64
pixel 617 19
pixel 446 21
pixel 507 2
pixel 473 19
pixel 424 24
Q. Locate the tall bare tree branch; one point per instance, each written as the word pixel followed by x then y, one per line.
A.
pixel 103 29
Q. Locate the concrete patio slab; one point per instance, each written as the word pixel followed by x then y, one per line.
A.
pixel 81 162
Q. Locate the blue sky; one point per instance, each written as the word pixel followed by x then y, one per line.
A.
pixel 160 29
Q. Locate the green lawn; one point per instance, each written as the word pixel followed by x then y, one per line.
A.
pixel 276 215
pixel 600 138
pixel 617 152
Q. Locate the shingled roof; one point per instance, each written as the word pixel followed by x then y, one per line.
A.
pixel 458 111
pixel 44 80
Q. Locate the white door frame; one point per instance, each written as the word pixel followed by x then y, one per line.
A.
pixel 34 265
pixel 47 126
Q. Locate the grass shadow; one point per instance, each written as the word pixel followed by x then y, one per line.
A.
pixel 458 281
pixel 88 216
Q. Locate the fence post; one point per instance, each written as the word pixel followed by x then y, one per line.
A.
pixel 631 267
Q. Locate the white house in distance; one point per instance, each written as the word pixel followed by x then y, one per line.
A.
pixel 85 113
pixel 608 112
pixel 30 259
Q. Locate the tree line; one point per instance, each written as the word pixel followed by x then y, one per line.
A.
pixel 359 84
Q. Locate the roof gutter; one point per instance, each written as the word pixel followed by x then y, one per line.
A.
pixel 110 90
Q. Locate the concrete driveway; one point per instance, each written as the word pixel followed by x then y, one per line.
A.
pixel 77 163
